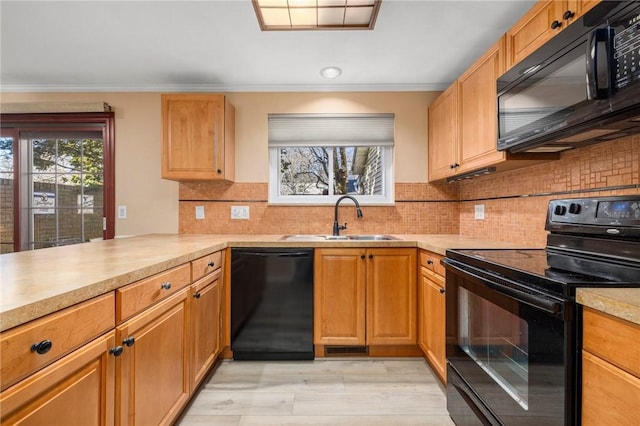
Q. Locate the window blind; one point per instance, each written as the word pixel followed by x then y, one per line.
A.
pixel 331 130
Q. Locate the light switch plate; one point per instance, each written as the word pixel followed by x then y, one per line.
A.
pixel 122 212
pixel 239 212
pixel 479 211
pixel 199 212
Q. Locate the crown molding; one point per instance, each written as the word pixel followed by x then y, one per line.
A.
pixel 194 88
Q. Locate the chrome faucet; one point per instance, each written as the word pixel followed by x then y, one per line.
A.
pixel 337 228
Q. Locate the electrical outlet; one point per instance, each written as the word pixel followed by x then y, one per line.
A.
pixel 199 212
pixel 239 212
pixel 479 211
pixel 122 212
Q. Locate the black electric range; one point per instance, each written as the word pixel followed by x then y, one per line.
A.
pixel 512 322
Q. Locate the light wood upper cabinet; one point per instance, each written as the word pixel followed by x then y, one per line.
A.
pixel 431 312
pixel 545 19
pixel 198 137
pixel 365 297
pixel 443 134
pixel 478 123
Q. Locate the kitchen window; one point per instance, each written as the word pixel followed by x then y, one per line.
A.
pixel 316 158
pixel 56 178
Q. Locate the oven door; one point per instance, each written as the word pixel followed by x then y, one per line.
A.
pixel 509 351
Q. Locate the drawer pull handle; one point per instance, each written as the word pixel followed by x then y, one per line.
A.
pixel 429 262
pixel 211 264
pixel 556 24
pixel 117 351
pixel 197 295
pixel 129 341
pixel 42 347
pixel 442 291
pixel 166 286
pixel 568 15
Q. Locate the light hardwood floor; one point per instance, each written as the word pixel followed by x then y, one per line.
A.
pixel 321 392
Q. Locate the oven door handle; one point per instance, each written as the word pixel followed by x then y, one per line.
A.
pixel 544 303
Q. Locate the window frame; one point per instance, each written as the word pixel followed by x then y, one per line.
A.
pixel 14 123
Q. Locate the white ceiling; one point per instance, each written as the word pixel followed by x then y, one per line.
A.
pixel 218 46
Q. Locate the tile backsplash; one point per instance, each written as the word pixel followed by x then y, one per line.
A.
pixel 420 208
pixel 515 201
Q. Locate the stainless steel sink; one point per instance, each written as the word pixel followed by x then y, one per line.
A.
pixel 304 237
pixel 371 237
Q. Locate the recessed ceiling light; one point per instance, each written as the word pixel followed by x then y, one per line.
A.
pixel 330 72
pixel 280 15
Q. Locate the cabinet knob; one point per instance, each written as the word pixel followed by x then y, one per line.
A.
pixel 166 286
pixel 429 262
pixel 370 256
pixel 568 15
pixel 129 341
pixel 211 264
pixel 117 351
pixel 556 24
pixel 454 165
pixel 442 291
pixel 42 347
pixel 219 171
pixel 362 256
pixel 197 295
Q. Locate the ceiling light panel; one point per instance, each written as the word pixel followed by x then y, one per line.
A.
pixel 282 15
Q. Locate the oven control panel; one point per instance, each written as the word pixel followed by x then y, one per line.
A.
pixel 612 216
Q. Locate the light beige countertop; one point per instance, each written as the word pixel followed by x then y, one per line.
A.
pixel 620 302
pixel 36 283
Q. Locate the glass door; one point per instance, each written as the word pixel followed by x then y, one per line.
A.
pixel 8 225
pixel 63 181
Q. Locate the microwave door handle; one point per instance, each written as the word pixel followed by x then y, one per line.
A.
pixel 594 91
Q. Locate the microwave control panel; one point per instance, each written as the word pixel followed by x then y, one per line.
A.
pixel 626 50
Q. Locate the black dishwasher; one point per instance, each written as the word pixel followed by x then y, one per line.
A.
pixel 272 303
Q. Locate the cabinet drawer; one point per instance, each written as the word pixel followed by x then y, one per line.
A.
pixel 431 261
pixel 612 339
pixel 65 331
pixel 205 265
pixel 144 293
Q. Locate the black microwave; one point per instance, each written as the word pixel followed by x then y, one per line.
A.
pixel 581 87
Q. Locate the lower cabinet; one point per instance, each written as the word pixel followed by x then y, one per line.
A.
pixel 206 325
pixel 365 296
pixel 431 313
pixel 610 370
pixel 78 389
pixel 152 373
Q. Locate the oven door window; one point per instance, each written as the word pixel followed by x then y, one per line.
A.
pixel 497 340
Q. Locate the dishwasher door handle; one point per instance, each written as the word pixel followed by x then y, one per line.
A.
pixel 278 254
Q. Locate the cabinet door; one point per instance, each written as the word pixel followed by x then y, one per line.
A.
pixel 339 297
pixel 193 136
pixel 152 374
pixel 477 111
pixel 443 134
pixel 75 390
pixel 433 322
pixel 610 395
pixel 534 29
pixel 391 297
pixel 205 322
